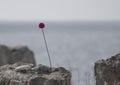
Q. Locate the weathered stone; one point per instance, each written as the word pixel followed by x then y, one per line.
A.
pixel 27 74
pixel 15 82
pixel 24 68
pixel 38 81
pixel 10 55
pixel 4 55
pixel 4 81
pixel 42 69
pixel 107 72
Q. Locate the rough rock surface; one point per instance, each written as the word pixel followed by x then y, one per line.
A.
pixel 9 55
pixel 28 74
pixel 107 72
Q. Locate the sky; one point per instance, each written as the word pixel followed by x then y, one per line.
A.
pixel 60 10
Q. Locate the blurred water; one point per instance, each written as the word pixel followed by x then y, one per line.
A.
pixel 71 46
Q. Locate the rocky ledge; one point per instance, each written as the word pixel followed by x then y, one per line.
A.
pixel 28 74
pixel 107 72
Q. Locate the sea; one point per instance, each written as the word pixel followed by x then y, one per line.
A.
pixel 73 45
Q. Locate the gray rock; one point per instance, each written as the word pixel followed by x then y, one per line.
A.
pixel 4 55
pixel 9 55
pixel 107 72
pixel 38 81
pixel 15 82
pixel 16 76
pixel 24 68
pixel 42 69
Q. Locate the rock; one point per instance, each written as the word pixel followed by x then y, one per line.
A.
pixel 38 81
pixel 4 55
pixel 15 82
pixel 107 72
pixel 31 76
pixel 42 69
pixel 24 68
pixel 9 55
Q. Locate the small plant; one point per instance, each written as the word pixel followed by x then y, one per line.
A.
pixel 42 26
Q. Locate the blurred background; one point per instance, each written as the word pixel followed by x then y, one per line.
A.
pixel 78 32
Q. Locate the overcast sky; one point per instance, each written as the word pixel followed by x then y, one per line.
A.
pixel 59 10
